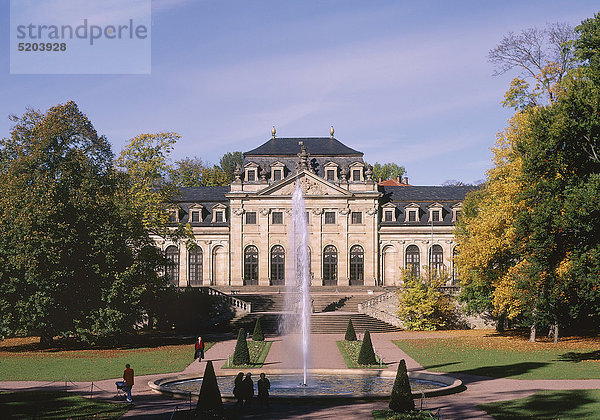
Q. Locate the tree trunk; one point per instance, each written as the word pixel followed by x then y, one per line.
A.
pixel 500 323
pixel 532 333
pixel 556 333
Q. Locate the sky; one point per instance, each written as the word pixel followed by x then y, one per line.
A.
pixel 406 82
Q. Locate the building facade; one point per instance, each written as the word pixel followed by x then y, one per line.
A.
pixel 360 232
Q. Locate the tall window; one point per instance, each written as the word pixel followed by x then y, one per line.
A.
pixel 277 217
pixel 412 215
pixel 435 215
pixel 277 175
pixel 195 216
pixel 251 218
pixel 413 260
pixel 195 266
pixel 357 266
pixel 388 216
pixel 277 265
pixel 330 175
pixel 330 218
pixel 356 175
pixel 436 260
pixel 251 266
pixel 454 271
pixel 172 269
pixel 219 217
pixel 251 176
pixel 330 266
pixel 356 217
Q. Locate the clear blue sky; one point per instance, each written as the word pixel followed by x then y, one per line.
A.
pixel 403 81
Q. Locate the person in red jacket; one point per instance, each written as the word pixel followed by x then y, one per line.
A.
pixel 199 349
pixel 128 378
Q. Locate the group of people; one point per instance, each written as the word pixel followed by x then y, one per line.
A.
pixel 243 390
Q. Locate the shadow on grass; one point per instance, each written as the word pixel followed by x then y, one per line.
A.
pixel 574 356
pixel 440 365
pixel 504 371
pixel 546 405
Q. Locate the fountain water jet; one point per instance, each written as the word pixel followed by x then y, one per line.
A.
pixel 298 301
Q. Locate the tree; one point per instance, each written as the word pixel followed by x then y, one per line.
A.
pixel 401 399
pixel 350 333
pixel 366 356
pixel 145 161
pixel 187 172
pixel 421 305
pixel 387 171
pixel 241 355
pixel 258 335
pixel 228 163
pixel 214 176
pixel 209 399
pixel 74 259
pixel 543 56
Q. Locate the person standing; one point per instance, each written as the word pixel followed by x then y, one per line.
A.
pixel 238 389
pixel 248 390
pixel 263 391
pixel 199 349
pixel 128 378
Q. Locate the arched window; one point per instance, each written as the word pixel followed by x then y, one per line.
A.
pixel 436 260
pixel 330 266
pixel 357 266
pixel 454 271
pixel 195 266
pixel 251 266
pixel 172 269
pixel 413 260
pixel 277 265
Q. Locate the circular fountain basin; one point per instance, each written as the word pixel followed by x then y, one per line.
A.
pixel 329 384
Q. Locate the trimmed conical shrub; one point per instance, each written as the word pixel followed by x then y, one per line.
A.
pixel 241 355
pixel 210 396
pixel 258 335
pixel 401 399
pixel 350 333
pixel 367 354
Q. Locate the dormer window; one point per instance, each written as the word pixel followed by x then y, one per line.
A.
pixel 219 214
pixel 412 213
pixel 251 172
pixel 456 209
pixel 435 213
pixel 195 213
pixel 331 171
pixel 174 215
pixel 277 171
pixel 356 171
pixel 388 212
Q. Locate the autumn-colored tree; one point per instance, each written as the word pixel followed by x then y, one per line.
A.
pixel 421 305
pixel 187 172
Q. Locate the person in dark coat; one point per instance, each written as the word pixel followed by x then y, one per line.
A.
pixel 199 349
pixel 238 389
pixel 248 389
pixel 263 391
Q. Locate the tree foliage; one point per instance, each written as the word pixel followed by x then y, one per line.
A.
pixel 350 333
pixel 366 355
pixel 387 171
pixel 401 399
pixel 228 163
pixel 421 305
pixel 529 239
pixel 241 354
pixel 543 56
pixel 75 259
pixel 257 334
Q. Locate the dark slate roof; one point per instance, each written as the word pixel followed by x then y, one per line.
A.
pixel 203 194
pixel 323 146
pixel 424 193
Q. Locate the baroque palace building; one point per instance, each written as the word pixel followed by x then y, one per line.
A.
pixel 361 232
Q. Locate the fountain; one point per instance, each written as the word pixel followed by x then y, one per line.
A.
pixel 296 322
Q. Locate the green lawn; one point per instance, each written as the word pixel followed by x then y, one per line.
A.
pixel 56 405
pixel 505 357
pixel 350 351
pixel 258 353
pixel 91 365
pixel 563 405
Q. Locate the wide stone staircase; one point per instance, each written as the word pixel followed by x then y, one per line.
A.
pixel 332 308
